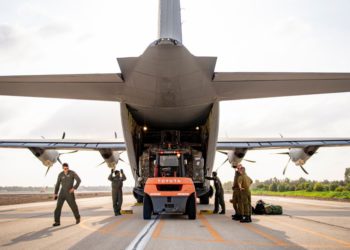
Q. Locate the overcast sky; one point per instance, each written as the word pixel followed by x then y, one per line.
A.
pixel 59 37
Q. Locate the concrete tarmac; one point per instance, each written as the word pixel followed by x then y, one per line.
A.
pixel 306 224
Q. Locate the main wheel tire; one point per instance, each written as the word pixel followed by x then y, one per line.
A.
pixel 191 208
pixel 147 207
pixel 204 200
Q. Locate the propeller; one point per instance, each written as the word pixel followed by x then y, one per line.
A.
pixel 285 168
pixel 48 168
pixel 101 163
pixel 302 168
pixel 221 165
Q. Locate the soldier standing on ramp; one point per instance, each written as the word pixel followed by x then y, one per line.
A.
pixel 66 178
pixel 219 194
pixel 117 192
pixel 244 183
pixel 236 195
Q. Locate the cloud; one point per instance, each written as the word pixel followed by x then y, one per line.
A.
pixel 82 119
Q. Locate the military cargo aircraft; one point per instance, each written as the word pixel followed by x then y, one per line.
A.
pixel 169 101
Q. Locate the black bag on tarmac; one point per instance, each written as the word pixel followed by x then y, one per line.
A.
pixel 259 207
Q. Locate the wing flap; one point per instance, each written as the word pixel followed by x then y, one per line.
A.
pixel 104 87
pixel 233 86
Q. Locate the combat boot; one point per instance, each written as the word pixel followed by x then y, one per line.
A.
pixel 245 219
pixel 237 217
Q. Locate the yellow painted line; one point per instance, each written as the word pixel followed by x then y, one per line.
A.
pixel 106 229
pixel 211 230
pixel 126 211
pixel 321 235
pixel 203 211
pixel 158 229
pixel 270 237
pixel 185 238
pixel 138 204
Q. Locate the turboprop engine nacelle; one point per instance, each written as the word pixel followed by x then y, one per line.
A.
pixel 300 155
pixel 47 157
pixel 110 157
pixel 236 156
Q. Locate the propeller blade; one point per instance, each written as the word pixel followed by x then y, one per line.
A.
pixel 48 168
pixel 124 161
pixel 100 163
pixel 302 168
pixel 285 168
pixel 63 135
pixel 283 153
pixel 222 164
pixel 42 137
pixel 115 135
pixel 59 160
pixel 223 152
pixel 249 160
pixel 71 152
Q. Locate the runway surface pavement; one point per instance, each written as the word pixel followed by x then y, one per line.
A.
pixel 306 224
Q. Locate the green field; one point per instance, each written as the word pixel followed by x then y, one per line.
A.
pixel 345 195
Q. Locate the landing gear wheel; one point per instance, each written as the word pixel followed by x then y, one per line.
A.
pixel 191 207
pixel 147 207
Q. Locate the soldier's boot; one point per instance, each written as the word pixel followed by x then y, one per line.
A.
pixel 237 217
pixel 118 212
pixel 250 218
pixel 56 224
pixel 77 220
pixel 245 219
pixel 222 212
pixel 215 211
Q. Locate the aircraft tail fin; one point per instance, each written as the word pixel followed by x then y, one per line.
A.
pixel 170 20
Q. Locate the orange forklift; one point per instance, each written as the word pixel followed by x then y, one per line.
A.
pixel 168 191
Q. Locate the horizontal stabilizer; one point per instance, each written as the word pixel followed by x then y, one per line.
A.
pixel 104 87
pixel 235 86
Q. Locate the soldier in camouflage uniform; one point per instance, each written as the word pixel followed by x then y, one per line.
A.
pixel 236 195
pixel 244 183
pixel 117 192
pixel 66 179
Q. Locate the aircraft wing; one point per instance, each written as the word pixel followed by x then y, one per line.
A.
pixel 278 143
pixel 64 144
pixel 233 86
pixel 104 87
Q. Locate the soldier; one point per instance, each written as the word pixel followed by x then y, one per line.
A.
pixel 244 183
pixel 117 192
pixel 236 195
pixel 66 179
pixel 219 194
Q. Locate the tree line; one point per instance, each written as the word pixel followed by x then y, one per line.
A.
pixel 276 185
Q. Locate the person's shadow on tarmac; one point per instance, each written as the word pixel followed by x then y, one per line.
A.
pixel 44 233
